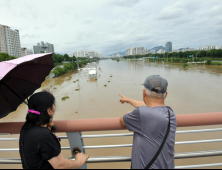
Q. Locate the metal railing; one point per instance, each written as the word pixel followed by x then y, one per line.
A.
pixel 106 159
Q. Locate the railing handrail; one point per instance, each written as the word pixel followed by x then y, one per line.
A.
pixel 201 119
pixel 124 134
pixel 106 159
pixel 125 145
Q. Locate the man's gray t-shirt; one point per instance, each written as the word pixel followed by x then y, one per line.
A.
pixel 149 126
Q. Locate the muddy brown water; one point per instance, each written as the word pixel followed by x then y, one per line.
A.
pixel 196 89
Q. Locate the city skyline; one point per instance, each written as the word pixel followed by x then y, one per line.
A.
pixel 113 26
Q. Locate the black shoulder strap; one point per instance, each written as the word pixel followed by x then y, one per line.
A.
pixel 21 150
pixel 161 147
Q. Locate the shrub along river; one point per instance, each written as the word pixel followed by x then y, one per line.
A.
pixel 195 89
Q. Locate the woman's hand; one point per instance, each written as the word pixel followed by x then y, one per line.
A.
pixel 81 158
pixel 123 99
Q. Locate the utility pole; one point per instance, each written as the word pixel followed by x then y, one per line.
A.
pixel 78 70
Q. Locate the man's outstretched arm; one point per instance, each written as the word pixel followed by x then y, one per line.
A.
pixel 122 121
pixel 134 103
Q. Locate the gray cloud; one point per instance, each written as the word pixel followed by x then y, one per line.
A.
pixel 114 25
pixel 123 3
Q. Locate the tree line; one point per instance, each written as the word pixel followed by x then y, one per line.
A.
pixel 5 57
pixel 215 54
pixel 67 67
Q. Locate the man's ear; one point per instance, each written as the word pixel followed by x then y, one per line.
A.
pixel 144 93
pixel 166 95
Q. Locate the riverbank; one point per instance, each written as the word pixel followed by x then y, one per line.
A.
pixel 208 61
pixel 67 67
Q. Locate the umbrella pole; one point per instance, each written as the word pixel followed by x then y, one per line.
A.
pixel 14 92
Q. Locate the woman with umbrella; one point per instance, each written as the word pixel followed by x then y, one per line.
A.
pixel 39 147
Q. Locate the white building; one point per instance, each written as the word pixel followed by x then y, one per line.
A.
pixel 85 53
pixel 160 51
pixel 10 41
pixel 25 52
pixel 153 51
pixel 136 51
pixel 118 55
pixel 189 49
pixel 177 50
pixel 129 52
pixel 43 48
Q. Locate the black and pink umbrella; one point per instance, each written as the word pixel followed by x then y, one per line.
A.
pixel 19 79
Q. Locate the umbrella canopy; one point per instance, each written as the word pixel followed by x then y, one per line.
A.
pixel 19 79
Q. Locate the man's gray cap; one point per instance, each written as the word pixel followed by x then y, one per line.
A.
pixel 154 81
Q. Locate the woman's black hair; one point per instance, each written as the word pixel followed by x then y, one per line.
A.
pixel 40 102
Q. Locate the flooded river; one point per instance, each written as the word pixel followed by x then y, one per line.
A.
pixel 196 89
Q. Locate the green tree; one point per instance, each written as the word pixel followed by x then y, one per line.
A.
pixel 6 56
pixel 66 57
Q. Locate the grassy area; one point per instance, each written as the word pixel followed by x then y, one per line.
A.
pixel 216 63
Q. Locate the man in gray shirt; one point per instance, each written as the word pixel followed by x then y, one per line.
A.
pixel 149 122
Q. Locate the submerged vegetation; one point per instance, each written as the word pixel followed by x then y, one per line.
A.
pixel 66 97
pixel 185 65
pixel 70 65
pixel 65 68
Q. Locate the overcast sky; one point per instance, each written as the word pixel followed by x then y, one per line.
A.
pixel 110 26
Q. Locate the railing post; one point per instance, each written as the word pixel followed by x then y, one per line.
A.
pixel 75 140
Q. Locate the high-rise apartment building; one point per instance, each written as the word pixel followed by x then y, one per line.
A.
pixel 136 51
pixel 10 41
pixel 43 48
pixel 169 47
pixel 25 52
pixel 85 54
pixel 129 52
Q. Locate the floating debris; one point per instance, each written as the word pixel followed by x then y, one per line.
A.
pixel 111 76
pixel 96 79
pixel 74 81
pixel 108 81
pixel 54 88
pixel 105 85
pixel 76 112
pixel 66 97
pixel 76 89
